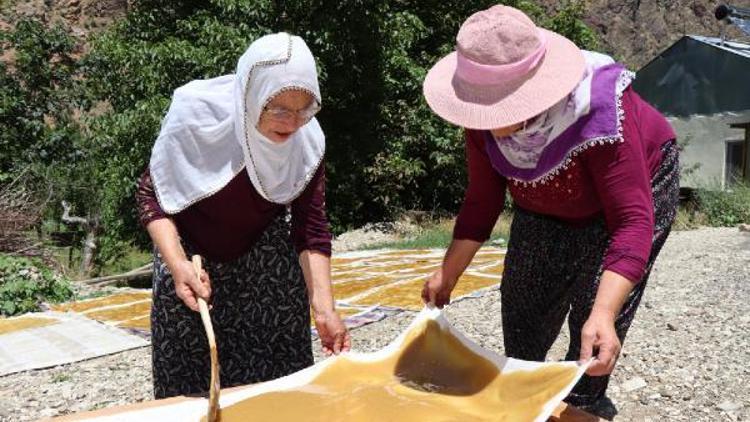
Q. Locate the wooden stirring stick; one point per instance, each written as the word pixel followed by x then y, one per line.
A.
pixel 214 388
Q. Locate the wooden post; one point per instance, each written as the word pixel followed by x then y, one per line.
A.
pixel 745 150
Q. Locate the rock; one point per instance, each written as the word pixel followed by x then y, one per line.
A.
pixel 729 406
pixel 634 384
pixel 5 410
pixel 67 392
pixel 48 412
pixel 671 327
pixel 744 227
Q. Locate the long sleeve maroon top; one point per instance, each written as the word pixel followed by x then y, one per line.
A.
pixel 613 180
pixel 226 224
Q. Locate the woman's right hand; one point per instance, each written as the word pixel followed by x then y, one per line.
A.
pixel 437 289
pixel 187 286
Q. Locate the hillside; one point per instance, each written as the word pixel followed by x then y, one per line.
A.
pixel 635 31
pixel 632 30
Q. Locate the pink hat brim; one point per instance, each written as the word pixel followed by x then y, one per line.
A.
pixel 492 107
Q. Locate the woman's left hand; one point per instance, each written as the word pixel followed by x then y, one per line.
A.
pixel 599 333
pixel 334 336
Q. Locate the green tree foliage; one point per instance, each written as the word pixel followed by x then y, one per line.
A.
pixel 51 131
pixel 43 132
pixel 35 96
pixel 386 151
pixel 120 144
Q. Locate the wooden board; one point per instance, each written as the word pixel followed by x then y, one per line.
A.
pixel 563 412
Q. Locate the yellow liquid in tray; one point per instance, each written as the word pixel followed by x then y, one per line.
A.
pixel 433 377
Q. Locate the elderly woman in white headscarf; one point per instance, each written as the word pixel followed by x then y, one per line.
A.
pixel 235 156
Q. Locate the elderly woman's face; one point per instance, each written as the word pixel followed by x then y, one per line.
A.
pixel 285 113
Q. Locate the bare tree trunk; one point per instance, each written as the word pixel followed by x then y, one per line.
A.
pixel 89 251
pixel 91 225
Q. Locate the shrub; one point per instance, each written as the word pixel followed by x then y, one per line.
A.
pixel 725 207
pixel 25 283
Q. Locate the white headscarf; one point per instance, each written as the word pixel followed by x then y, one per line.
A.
pixel 209 133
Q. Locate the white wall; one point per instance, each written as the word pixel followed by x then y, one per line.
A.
pixel 706 137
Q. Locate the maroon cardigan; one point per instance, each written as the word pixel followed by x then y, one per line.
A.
pixel 613 180
pixel 225 225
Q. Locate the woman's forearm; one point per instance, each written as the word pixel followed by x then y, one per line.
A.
pixel 612 293
pixel 164 234
pixel 316 268
pixel 458 257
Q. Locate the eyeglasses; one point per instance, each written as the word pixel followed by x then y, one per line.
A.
pixel 281 114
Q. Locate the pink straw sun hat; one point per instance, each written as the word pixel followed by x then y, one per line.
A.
pixel 505 70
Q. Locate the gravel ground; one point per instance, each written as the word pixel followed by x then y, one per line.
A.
pixel 685 357
pixel 373 234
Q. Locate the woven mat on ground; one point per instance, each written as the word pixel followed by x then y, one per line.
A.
pixel 41 340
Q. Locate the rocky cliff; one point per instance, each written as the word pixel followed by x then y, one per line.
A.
pixel 634 31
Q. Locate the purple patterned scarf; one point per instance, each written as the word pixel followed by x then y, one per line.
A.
pixel 591 114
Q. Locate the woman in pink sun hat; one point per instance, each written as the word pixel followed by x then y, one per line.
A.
pixel 593 173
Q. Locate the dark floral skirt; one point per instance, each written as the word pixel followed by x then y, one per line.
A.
pixel 552 270
pixel 260 315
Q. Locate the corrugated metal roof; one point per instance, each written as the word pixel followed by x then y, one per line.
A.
pixel 730 46
pixel 697 75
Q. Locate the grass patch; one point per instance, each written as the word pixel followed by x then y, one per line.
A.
pixel 61 377
pixel 434 236
pixel 96 293
pixel 687 219
pixel 715 207
pixel 131 259
pixel 102 405
pixel 438 235
pixel 69 260
pixel 725 208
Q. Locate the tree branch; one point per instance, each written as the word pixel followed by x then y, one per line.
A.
pixel 66 217
pixel 142 272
